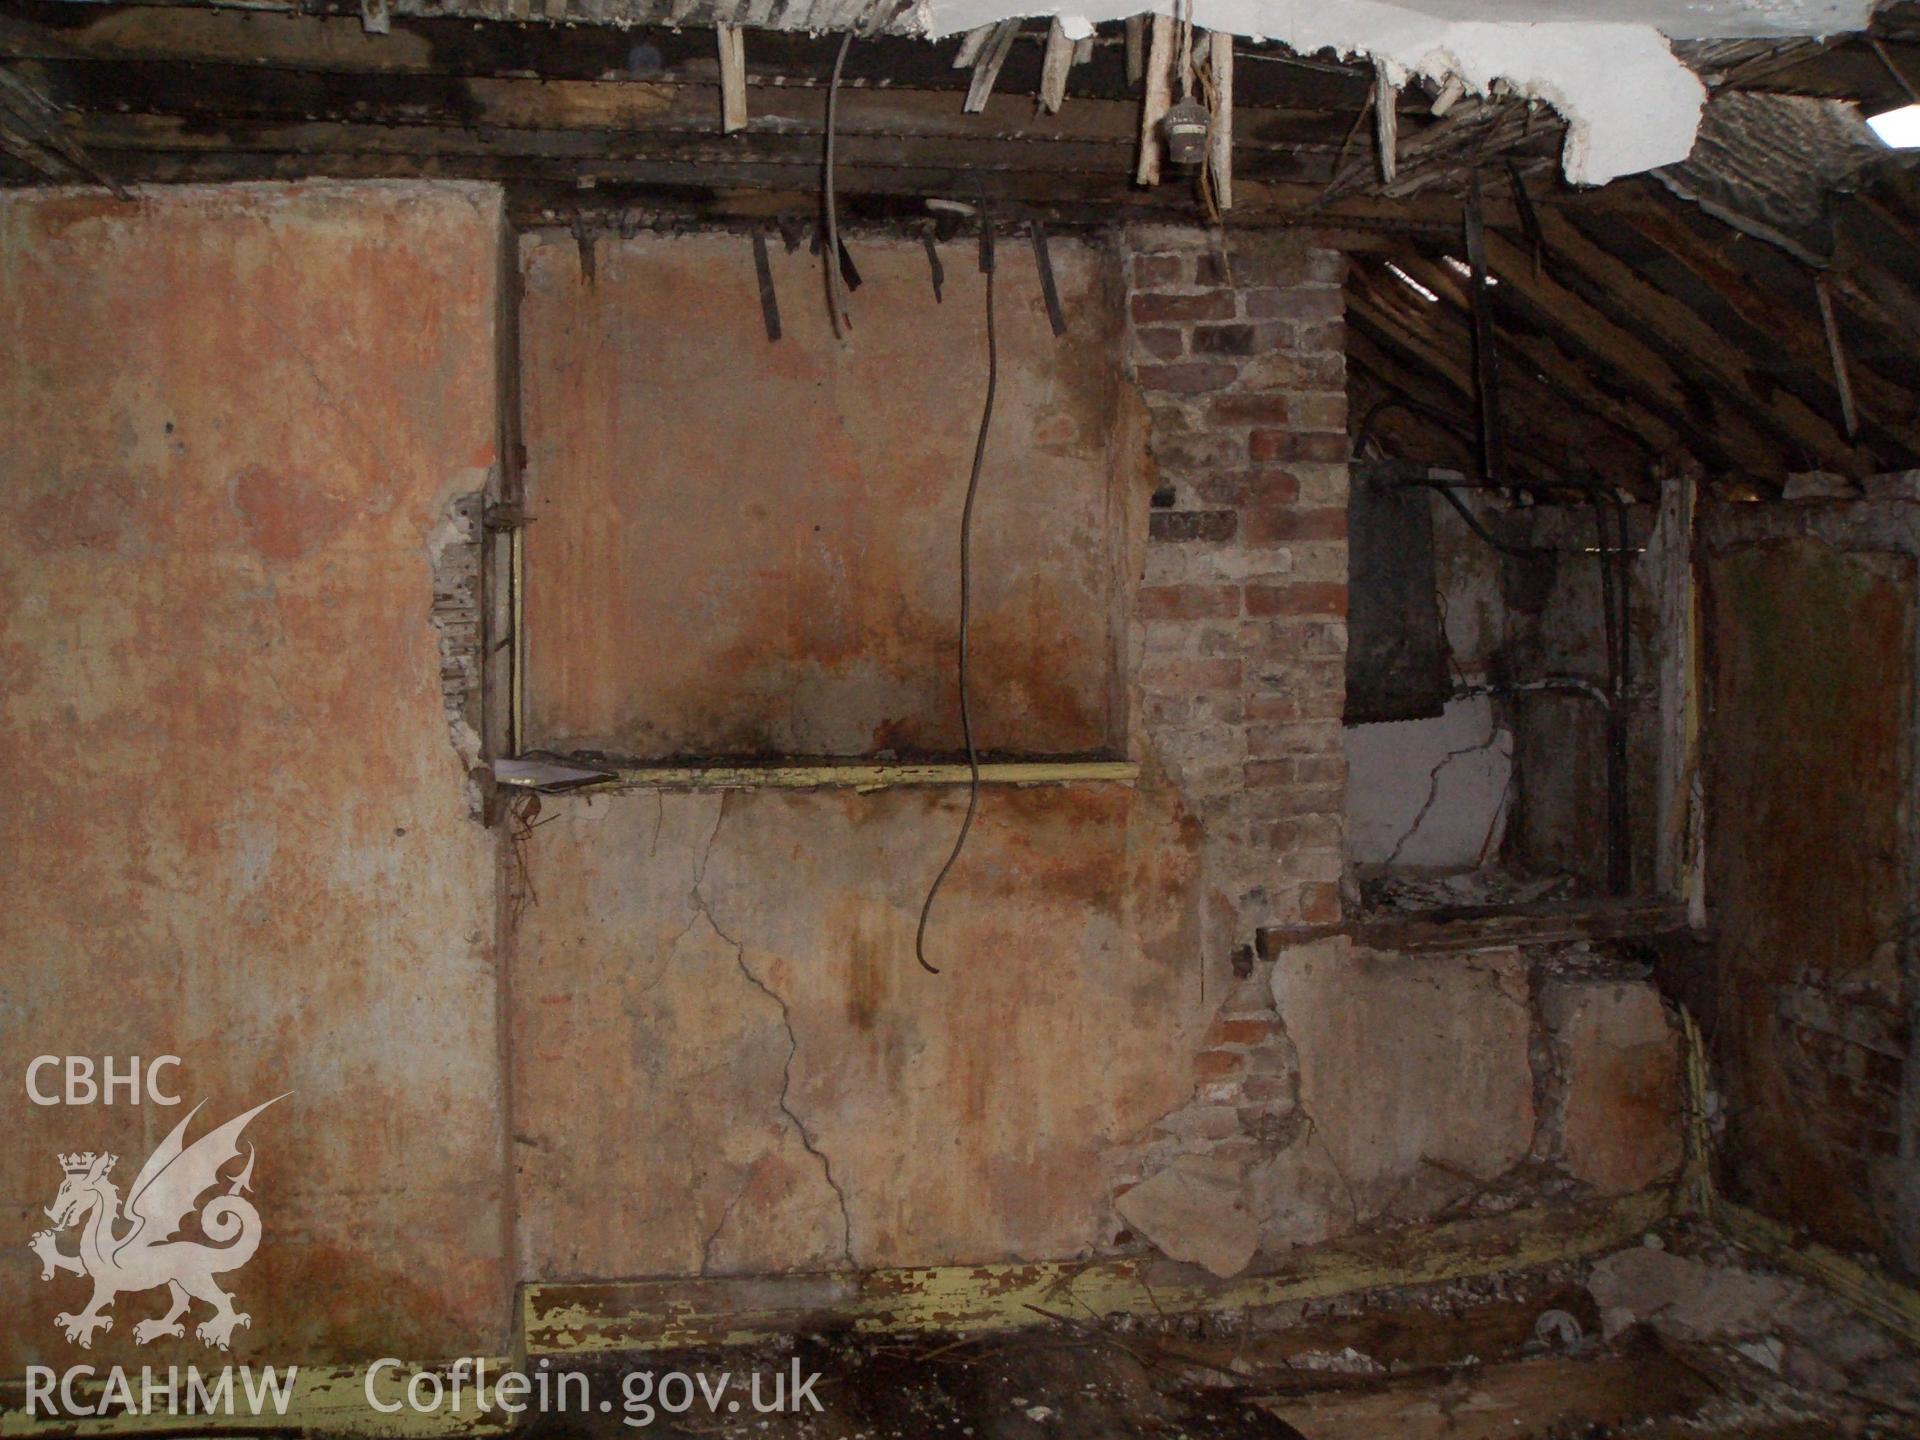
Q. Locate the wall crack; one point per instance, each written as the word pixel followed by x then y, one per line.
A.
pixel 702 907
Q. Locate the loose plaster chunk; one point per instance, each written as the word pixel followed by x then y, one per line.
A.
pixel 1686 1299
pixel 1620 1058
pixel 1414 1072
pixel 1197 1209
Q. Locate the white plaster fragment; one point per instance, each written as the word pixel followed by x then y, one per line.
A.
pixel 1630 104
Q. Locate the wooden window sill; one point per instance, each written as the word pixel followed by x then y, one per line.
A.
pixel 1484 927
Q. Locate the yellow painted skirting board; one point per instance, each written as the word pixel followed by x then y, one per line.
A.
pixel 326 1400
pixel 642 1315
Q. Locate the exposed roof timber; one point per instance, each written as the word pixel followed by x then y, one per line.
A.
pixel 1710 358
pixel 1637 111
pixel 1565 372
pixel 1671 327
pixel 1680 20
pixel 1746 296
pixel 1423 349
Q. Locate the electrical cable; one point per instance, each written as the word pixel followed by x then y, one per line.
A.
pixel 836 300
pixel 966 604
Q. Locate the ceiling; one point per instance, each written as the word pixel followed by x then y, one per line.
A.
pixel 1671 318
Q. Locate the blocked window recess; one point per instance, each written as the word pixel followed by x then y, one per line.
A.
pixel 742 556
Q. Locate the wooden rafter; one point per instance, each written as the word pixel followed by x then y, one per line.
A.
pixel 1614 288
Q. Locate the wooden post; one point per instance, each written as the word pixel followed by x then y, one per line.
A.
pixel 1679 854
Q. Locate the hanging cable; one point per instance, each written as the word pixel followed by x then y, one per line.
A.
pixel 836 294
pixel 966 599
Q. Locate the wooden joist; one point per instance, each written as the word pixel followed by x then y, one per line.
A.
pixel 1567 376
pixel 1423 354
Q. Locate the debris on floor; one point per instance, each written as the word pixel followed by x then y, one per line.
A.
pixel 1647 1342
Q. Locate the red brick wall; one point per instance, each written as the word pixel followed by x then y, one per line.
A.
pixel 1241 620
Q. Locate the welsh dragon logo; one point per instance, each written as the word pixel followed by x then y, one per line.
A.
pixel 136 1248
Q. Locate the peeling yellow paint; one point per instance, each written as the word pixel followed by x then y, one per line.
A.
pixel 674 1313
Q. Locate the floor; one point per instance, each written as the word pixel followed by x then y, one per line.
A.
pixel 1519 1357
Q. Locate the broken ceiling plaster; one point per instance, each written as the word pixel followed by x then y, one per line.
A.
pixel 1629 103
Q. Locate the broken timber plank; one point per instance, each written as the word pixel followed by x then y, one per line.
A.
pixel 733 78
pixel 1486 927
pixel 986 69
pixel 1137 48
pixel 971 44
pixel 1053 68
pixel 643 1315
pixel 1220 141
pixel 1160 63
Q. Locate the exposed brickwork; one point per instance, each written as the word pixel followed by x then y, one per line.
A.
pixel 1241 615
pixel 454 550
pixel 1240 639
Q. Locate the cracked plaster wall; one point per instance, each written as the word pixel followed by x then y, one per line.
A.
pixel 725 1058
pixel 726 1062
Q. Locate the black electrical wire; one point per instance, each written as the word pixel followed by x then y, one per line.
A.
pixel 1614 605
pixel 836 302
pixel 966 607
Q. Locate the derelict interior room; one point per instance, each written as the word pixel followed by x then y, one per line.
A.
pixel 862 718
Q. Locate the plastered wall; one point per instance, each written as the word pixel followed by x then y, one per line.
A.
pixel 236 831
